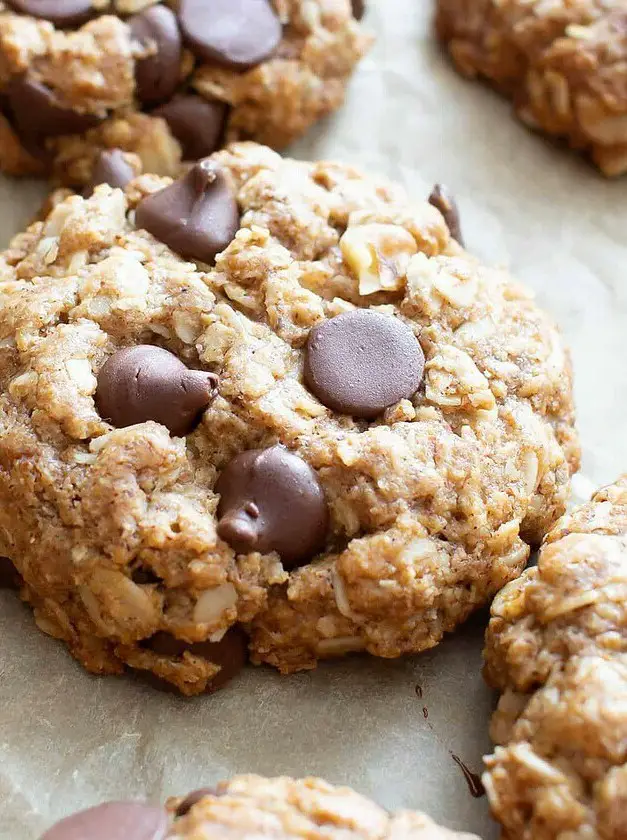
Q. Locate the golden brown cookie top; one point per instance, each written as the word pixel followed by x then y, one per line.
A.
pixel 562 63
pixel 409 515
pixel 557 649
pixel 167 82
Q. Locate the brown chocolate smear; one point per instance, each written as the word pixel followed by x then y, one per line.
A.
pixel 112 821
pixel 361 362
pixel 194 798
pixel 230 653
pixel 271 500
pixel 61 13
pixel 157 75
pixel 197 123
pixel 37 115
pixel 111 167
pixel 442 198
pixel 359 8
pixel 473 780
pixel 238 34
pixel 144 383
pixel 196 216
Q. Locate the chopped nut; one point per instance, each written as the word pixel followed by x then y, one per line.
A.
pixel 378 255
pixel 81 374
pixel 214 602
pixel 342 644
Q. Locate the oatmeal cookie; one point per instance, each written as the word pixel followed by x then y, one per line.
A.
pixel 563 63
pixel 271 395
pixel 557 649
pixel 165 82
pixel 252 806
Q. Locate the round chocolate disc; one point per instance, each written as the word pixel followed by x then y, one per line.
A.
pixel 37 114
pixel 271 500
pixel 197 123
pixel 59 12
pixel 235 33
pixel 157 74
pixel 361 362
pixel 144 383
pixel 112 821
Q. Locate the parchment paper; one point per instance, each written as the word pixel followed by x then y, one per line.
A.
pixel 68 740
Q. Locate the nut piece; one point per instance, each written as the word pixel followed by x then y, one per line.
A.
pixel 378 254
pixel 214 602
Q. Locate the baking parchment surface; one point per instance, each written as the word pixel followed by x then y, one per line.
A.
pixel 389 729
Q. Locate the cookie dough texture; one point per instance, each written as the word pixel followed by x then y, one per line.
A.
pixel 432 505
pixel 557 649
pixel 563 63
pixel 310 809
pixel 92 71
pixel 252 806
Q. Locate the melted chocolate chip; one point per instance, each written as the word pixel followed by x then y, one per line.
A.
pixel 157 74
pixel 359 8
pixel 61 13
pixel 361 362
pixel 111 168
pixel 443 199
pixel 196 216
pixel 37 114
pixel 235 33
pixel 230 653
pixel 271 500
pixel 112 821
pixel 194 798
pixel 147 383
pixel 197 124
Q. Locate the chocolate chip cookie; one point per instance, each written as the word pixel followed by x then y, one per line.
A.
pixel 273 397
pixel 251 806
pixel 562 63
pixel 164 82
pixel 557 649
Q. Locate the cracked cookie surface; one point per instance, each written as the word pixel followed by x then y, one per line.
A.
pixel 557 649
pixel 165 87
pixel 562 63
pixel 431 505
pixel 252 806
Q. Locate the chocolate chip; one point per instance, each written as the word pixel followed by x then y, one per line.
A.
pixel 235 33
pixel 359 8
pixel 443 199
pixel 196 216
pixel 194 798
pixel 197 123
pixel 230 653
pixel 112 821
pixel 157 74
pixel 37 114
pixel 362 361
pixel 59 12
pixel 10 578
pixel 271 500
pixel 147 383
pixel 111 168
